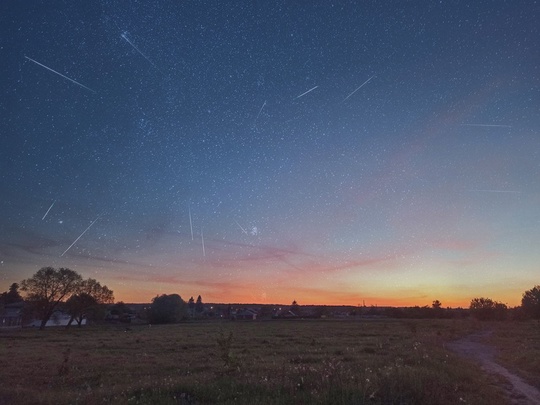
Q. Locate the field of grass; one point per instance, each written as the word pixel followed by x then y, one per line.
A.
pixel 271 362
pixel 518 345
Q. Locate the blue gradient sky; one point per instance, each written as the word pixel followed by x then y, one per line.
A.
pixel 419 184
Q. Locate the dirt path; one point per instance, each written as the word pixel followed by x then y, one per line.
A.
pixel 517 390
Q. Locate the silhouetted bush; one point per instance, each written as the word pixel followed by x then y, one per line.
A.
pixel 485 309
pixel 167 309
pixel 530 302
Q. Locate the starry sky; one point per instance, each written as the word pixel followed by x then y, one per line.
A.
pixel 329 152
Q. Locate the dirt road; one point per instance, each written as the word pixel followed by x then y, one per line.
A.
pixel 517 390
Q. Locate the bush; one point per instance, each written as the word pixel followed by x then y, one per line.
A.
pixel 485 309
pixel 167 309
pixel 530 303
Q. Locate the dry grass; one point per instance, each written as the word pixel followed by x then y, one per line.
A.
pixel 518 345
pixel 274 362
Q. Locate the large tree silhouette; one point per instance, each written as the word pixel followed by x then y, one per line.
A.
pixel 48 288
pixel 89 296
pixel 199 307
pixel 531 302
pixel 12 295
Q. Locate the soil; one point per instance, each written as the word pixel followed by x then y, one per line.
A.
pixel 517 390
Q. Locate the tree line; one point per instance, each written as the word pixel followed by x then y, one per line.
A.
pixel 481 308
pixel 49 289
pixel 487 309
pixel 171 308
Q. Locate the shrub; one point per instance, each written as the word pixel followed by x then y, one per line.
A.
pixel 485 309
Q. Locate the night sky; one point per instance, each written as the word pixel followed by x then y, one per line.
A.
pixel 329 152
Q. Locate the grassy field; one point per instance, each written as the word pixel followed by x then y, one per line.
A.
pixel 273 362
pixel 518 346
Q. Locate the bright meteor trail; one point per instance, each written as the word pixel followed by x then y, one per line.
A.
pixel 48 210
pixel 59 74
pixel 138 50
pixel 80 236
pixel 362 85
pixel 309 91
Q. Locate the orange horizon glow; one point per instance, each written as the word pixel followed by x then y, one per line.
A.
pixel 241 298
pixel 375 281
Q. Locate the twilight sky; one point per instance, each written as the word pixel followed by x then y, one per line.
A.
pixel 329 152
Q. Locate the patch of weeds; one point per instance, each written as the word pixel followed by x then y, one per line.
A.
pixel 304 360
pixel 412 326
pixel 63 368
pixel 152 396
pixel 229 390
pixel 224 343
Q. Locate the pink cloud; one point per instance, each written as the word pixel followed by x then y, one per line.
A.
pixel 455 244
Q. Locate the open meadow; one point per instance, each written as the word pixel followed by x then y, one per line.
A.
pixel 263 362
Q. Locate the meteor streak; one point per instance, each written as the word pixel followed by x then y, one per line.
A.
pixel 202 241
pixel 138 50
pixel 190 222
pixel 309 91
pixel 48 210
pixel 362 85
pixel 240 226
pixel 59 74
pixel 260 111
pixel 487 125
pixel 498 191
pixel 80 236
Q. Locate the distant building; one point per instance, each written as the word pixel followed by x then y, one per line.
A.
pixel 11 315
pixel 245 314
pixel 285 313
pixel 58 318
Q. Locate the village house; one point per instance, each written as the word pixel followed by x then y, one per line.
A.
pixel 11 315
pixel 58 318
pixel 245 314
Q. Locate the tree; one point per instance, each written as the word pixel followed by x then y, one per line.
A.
pixel 500 311
pixel 530 302
pixel 48 288
pixel 191 307
pixel 88 298
pixel 438 310
pixel 199 307
pixel 12 295
pixel 121 312
pixel 486 309
pixel 167 309
pixel 295 308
